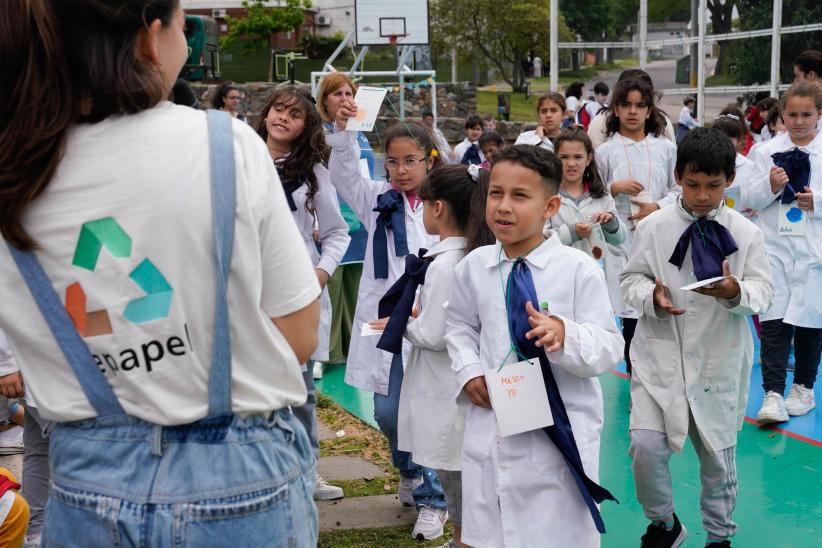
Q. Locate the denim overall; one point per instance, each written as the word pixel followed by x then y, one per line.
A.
pixel 222 481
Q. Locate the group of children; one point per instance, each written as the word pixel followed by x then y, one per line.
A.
pixel 526 254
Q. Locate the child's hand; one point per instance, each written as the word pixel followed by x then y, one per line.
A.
pixel 805 199
pixel 628 186
pixel 663 300
pixel 778 179
pixel 727 289
pixel 583 230
pixel 348 109
pixel 540 132
pixel 11 386
pixel 603 217
pixel 645 209
pixel 379 325
pixel 477 392
pixel 549 330
pixel 322 277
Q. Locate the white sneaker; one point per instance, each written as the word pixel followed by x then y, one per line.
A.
pixel 430 523
pixel 773 409
pixel 325 491
pixel 800 400
pixel 406 490
pixel 318 370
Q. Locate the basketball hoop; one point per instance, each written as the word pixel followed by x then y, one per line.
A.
pixel 392 40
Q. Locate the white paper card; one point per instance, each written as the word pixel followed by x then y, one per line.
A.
pixel 369 100
pixel 368 331
pixel 518 397
pixel 703 283
pixel 792 220
pixel 733 198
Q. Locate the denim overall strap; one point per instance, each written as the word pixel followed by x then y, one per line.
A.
pixel 92 380
pixel 223 200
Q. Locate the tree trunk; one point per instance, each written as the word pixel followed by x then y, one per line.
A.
pixel 721 22
pixel 574 59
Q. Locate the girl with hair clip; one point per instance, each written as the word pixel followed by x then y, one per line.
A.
pixel 156 292
pixel 293 132
pixel 550 112
pixel 392 213
pixel 430 425
pixel 587 214
pixel 637 166
pixel 787 191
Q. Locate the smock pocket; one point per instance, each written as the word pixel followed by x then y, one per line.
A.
pixel 655 361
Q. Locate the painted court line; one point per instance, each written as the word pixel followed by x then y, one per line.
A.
pixel 753 421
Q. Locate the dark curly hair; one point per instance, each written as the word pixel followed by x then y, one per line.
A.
pixel 591 174
pixel 308 148
pixel 654 124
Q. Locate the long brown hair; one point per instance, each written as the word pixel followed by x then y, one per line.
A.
pixel 65 63
pixel 417 133
pixel 307 149
pixel 591 174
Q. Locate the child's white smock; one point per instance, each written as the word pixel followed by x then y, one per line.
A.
pixel 571 212
pixel 431 423
pixel 531 138
pixel 462 147
pixel 367 366
pixel 334 239
pixel 517 491
pixel 796 261
pixel 698 363
pixel 651 162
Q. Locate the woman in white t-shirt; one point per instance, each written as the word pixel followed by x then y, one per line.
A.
pixel 107 198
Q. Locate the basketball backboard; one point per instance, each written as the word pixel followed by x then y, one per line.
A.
pixel 377 21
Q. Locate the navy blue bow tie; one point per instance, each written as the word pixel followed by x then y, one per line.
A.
pixel 391 209
pixel 471 156
pixel 521 290
pixel 710 244
pixel 797 164
pixel 399 301
pixel 289 188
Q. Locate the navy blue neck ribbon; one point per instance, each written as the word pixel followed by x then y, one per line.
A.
pixel 391 209
pixel 797 164
pixel 290 187
pixel 710 244
pixel 521 290
pixel 471 156
pixel 398 302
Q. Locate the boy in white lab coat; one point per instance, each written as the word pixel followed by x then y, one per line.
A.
pixel 694 350
pixel 535 488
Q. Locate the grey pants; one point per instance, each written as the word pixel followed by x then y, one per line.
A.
pixel 717 471
pixel 307 413
pixel 36 473
pixel 452 485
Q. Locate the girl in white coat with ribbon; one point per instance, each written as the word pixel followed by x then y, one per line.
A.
pixel 293 132
pixel 788 196
pixel 392 213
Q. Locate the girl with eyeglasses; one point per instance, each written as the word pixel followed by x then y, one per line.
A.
pixel 228 98
pixel 392 213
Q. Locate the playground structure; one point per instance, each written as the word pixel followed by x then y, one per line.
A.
pixel 701 39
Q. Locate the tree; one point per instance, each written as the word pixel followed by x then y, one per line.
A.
pixel 721 22
pixel 261 22
pixel 589 20
pixel 506 40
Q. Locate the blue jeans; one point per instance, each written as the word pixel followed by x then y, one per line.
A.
pixel 386 409
pixel 121 481
pixel 307 413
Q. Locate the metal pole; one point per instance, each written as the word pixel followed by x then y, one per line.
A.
pixel 776 44
pixel 402 97
pixel 700 94
pixel 643 34
pixel 454 75
pixel 347 40
pixel 360 57
pixel 554 53
pixel 434 100
pixel 693 48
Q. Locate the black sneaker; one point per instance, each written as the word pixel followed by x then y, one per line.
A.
pixel 659 536
pixel 723 544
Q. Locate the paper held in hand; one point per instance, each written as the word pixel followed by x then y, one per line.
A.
pixel 369 100
pixel 518 397
pixel 703 283
pixel 368 331
pixel 792 220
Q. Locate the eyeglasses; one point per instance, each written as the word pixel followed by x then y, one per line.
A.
pixel 408 163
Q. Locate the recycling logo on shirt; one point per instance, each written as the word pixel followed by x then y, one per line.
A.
pixel 94 236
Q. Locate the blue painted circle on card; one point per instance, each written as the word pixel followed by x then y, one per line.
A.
pixel 794 215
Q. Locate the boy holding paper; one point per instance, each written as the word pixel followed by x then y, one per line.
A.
pixel 693 350
pixel 539 310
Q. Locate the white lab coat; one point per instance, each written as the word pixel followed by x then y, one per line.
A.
pixel 796 261
pixel 334 239
pixel 699 362
pixel 459 150
pixel 442 145
pixel 367 366
pixel 650 162
pixel 431 423
pixel 598 130
pixel 517 490
pixel 531 138
pixel 571 213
